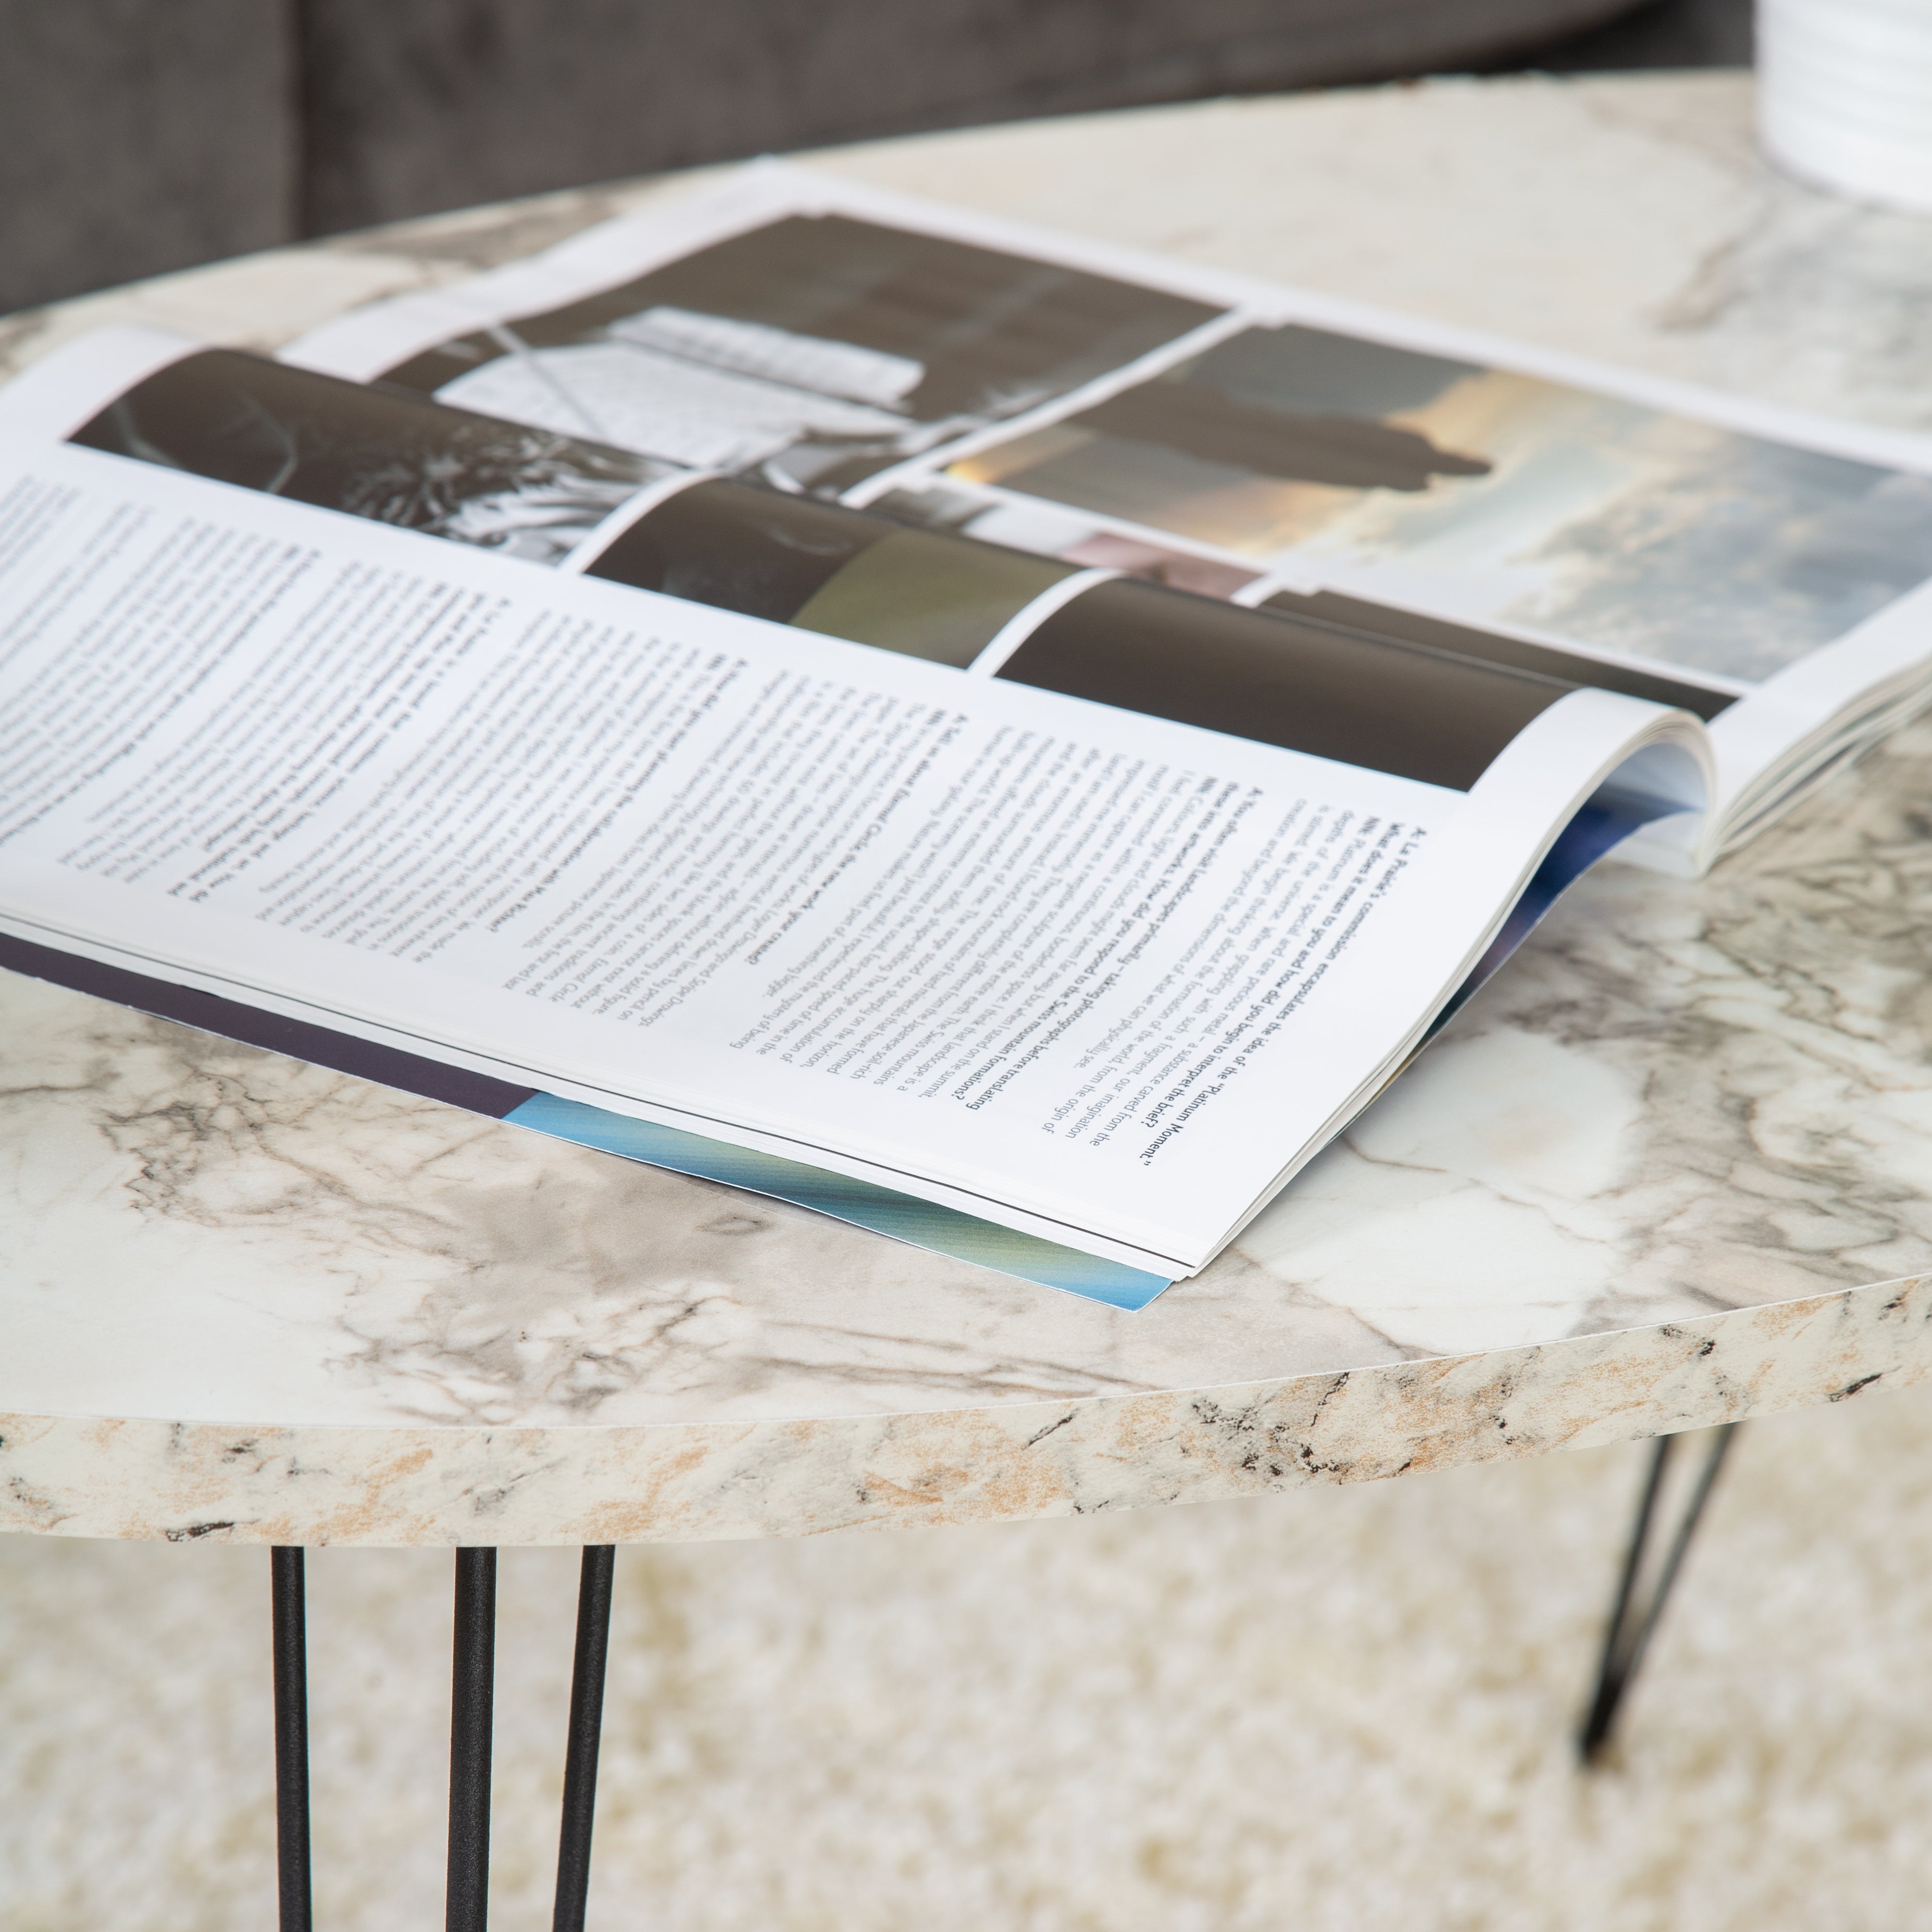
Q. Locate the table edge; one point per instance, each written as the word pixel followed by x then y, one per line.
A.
pixel 410 1484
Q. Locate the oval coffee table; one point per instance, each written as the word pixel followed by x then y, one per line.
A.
pixel 1673 1168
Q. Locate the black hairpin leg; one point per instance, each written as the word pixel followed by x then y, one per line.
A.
pixel 291 1666
pixel 1634 1618
pixel 473 1691
pixel 472 1697
pixel 586 1724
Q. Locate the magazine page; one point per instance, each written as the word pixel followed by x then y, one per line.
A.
pixel 898 1216
pixel 1427 700
pixel 1098 976
pixel 1766 571
pixel 1306 681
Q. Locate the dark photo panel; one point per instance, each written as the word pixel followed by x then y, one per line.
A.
pixel 821 567
pixel 389 456
pixel 738 548
pixel 1213 440
pixel 934 331
pixel 986 326
pixel 1310 687
pixel 1199 419
pixel 929 595
pixel 943 506
pixel 1505 497
pixel 1360 616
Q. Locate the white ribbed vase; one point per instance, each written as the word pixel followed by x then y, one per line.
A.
pixel 1845 94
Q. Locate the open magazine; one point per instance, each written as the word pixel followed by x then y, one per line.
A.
pixel 1367 473
pixel 673 710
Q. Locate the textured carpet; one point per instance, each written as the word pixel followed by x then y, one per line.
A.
pixel 1343 1709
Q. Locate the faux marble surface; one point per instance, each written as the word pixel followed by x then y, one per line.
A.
pixel 1675 1166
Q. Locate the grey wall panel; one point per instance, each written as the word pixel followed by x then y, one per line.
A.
pixel 137 136
pixel 411 105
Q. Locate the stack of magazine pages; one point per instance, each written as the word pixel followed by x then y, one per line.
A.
pixel 1007 741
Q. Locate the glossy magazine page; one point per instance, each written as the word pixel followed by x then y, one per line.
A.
pixel 1096 975
pixel 1766 570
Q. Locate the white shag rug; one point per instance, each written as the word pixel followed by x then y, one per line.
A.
pixel 1346 1709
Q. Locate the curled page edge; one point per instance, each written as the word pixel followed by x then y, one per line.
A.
pixel 861 1204
pixel 900 1217
pixel 1598 827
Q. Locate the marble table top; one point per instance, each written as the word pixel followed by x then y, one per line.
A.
pixel 1672 1167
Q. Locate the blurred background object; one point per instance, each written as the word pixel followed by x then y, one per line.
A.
pixel 143 138
pixel 140 138
pixel 1847 100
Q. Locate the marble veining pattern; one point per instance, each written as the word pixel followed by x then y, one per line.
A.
pixel 705 1480
pixel 1674 1166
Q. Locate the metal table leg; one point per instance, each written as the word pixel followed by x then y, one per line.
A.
pixel 586 1724
pixel 291 1655
pixel 473 1696
pixel 472 1700
pixel 1634 1615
